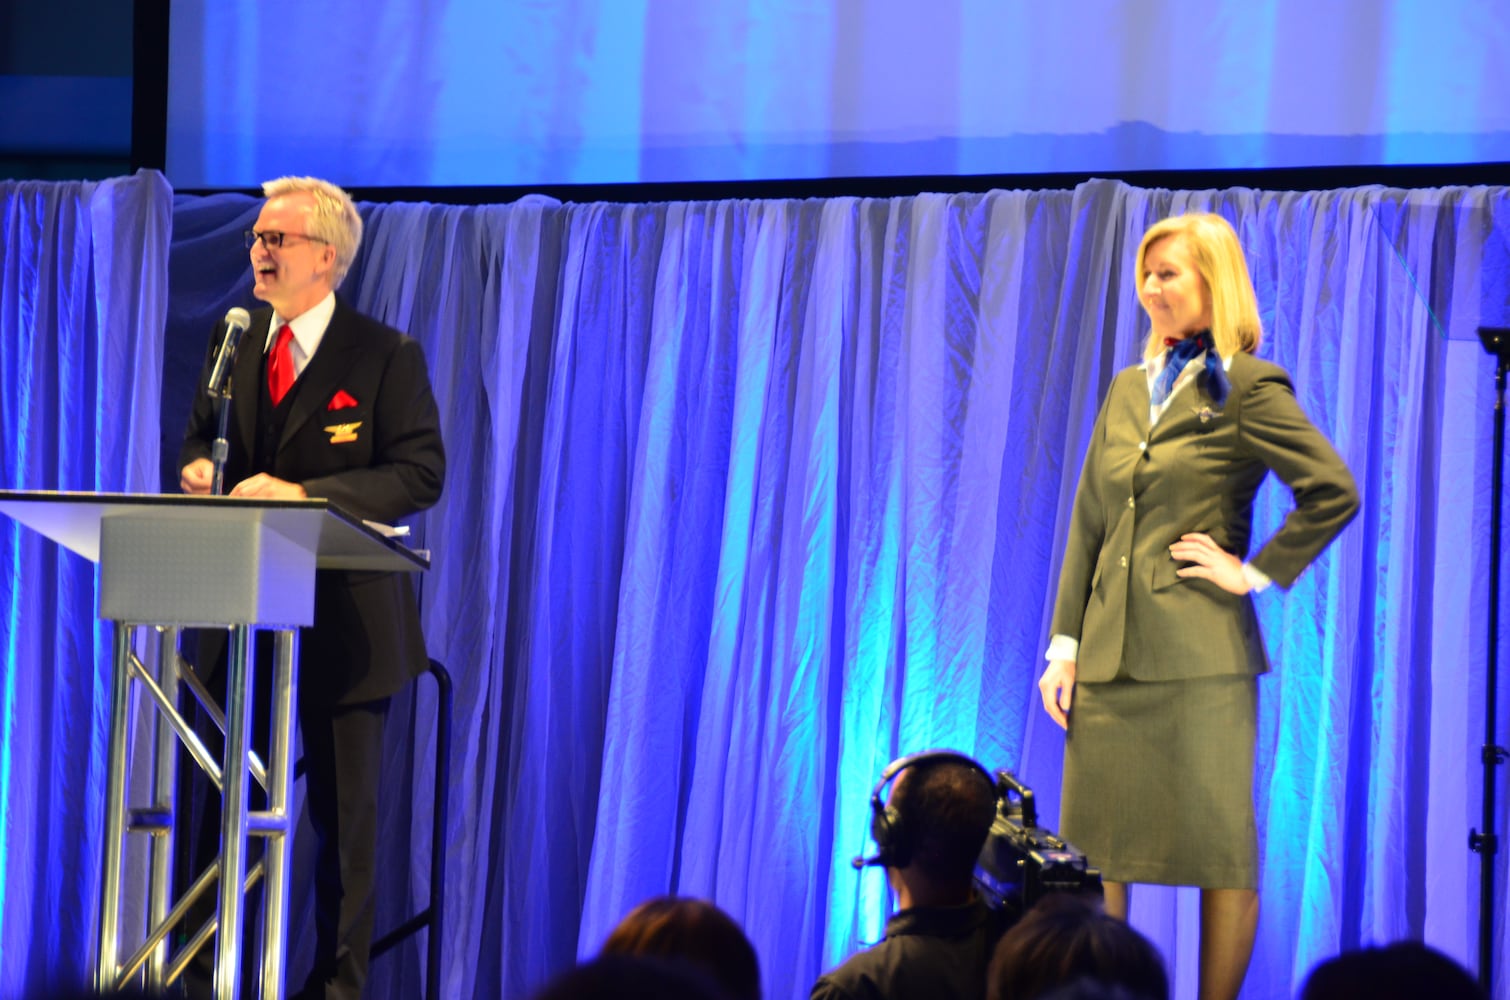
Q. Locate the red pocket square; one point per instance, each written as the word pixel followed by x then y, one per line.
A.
pixel 341 400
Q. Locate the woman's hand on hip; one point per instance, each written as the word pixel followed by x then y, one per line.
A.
pixel 1212 562
pixel 1057 686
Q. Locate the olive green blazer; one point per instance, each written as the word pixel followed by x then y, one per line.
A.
pixel 1197 469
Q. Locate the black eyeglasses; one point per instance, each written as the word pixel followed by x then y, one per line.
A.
pixel 274 240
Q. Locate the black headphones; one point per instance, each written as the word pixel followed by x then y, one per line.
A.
pixel 888 827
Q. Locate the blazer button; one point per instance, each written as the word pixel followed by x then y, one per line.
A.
pixel 1142 445
pixel 1129 501
pixel 1123 561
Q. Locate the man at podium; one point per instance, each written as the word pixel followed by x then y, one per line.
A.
pixel 327 403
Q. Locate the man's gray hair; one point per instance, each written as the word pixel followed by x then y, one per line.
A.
pixel 334 218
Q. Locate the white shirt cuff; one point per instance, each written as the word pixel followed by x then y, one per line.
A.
pixel 1062 647
pixel 1258 582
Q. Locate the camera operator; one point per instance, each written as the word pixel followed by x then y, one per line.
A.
pixel 928 836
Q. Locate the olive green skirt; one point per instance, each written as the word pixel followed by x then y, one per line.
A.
pixel 1158 781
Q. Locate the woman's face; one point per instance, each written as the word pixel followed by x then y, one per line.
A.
pixel 1173 291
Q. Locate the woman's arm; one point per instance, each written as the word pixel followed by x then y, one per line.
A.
pixel 1275 430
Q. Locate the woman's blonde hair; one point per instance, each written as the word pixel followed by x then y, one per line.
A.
pixel 334 218
pixel 1218 257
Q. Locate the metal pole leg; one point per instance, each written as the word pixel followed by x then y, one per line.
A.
pixel 233 823
pixel 279 848
pixel 115 813
pixel 164 797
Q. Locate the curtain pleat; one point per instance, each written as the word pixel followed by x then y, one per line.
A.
pixel 83 295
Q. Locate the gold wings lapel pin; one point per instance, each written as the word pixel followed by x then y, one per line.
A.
pixel 1205 413
pixel 343 433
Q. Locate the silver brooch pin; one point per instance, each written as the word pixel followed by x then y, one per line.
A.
pixel 1206 413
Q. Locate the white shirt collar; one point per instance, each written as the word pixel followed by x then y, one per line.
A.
pixel 309 329
pixel 1155 365
pixel 1193 367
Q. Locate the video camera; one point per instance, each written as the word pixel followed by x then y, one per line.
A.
pixel 1022 862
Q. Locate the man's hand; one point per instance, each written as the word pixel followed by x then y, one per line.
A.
pixel 1057 686
pixel 265 487
pixel 197 476
pixel 1212 563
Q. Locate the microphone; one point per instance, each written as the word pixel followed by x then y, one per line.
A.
pixel 236 322
pixel 861 862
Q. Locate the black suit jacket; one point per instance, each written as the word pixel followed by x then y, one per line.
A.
pixel 380 459
pixel 1197 469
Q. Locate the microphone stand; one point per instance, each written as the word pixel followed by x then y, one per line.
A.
pixel 1496 341
pixel 221 448
pixel 219 387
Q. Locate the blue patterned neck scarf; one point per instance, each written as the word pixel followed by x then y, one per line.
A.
pixel 1178 355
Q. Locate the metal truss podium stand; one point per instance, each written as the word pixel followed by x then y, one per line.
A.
pixel 169 562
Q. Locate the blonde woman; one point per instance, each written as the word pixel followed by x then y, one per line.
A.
pixel 1156 648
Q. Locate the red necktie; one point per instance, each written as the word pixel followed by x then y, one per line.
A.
pixel 280 367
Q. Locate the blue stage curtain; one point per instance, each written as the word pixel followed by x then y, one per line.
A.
pixel 748 497
pixel 83 293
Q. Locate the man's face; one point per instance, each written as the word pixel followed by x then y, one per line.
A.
pixel 299 273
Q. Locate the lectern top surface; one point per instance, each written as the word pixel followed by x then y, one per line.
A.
pixel 341 540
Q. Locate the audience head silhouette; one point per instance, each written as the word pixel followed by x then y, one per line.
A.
pixel 695 932
pixel 1406 969
pixel 935 823
pixel 633 977
pixel 1092 989
pixel 1068 943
